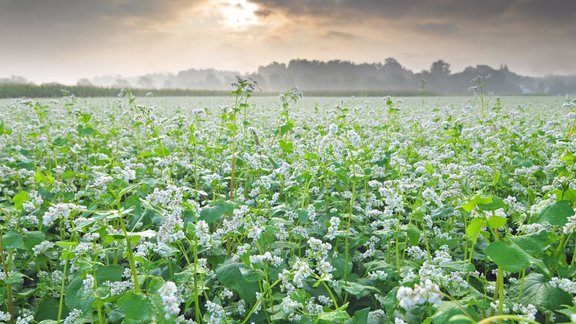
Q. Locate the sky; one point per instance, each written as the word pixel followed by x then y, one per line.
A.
pixel 65 40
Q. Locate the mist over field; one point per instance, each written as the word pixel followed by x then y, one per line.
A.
pixel 344 77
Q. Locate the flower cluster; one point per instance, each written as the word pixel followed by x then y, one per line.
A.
pixel 425 292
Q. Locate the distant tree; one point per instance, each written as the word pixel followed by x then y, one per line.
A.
pixel 440 68
pixel 14 79
pixel 212 82
pixel 391 64
pixel 122 83
pixel 146 82
pixel 84 83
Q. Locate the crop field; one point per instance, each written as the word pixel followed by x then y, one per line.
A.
pixel 247 209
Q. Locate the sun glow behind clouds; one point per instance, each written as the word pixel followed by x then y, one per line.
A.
pixel 238 14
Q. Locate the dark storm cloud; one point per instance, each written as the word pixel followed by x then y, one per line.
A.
pixel 438 28
pixel 551 11
pixel 70 19
pixel 56 11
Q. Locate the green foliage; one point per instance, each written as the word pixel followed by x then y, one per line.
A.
pixel 303 209
pixel 508 256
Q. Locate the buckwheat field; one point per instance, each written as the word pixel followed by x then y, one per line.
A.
pixel 246 209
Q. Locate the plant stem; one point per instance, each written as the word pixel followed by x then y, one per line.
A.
pixel 61 304
pixel 197 313
pixel 253 309
pixel 346 244
pixel 506 317
pixel 499 291
pixel 232 168
pixel 8 287
pixel 130 257
pixel 334 300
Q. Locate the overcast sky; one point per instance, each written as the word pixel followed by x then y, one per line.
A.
pixel 64 40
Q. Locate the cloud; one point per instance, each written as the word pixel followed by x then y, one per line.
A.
pixel 558 11
pixel 50 38
pixel 85 18
pixel 471 23
pixel 339 35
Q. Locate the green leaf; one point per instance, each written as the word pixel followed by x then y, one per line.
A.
pixel 508 256
pixel 156 283
pixel 448 312
pixel 66 244
pixel 557 214
pixel 360 317
pixel 59 141
pixel 161 152
pixel 110 273
pixel 13 240
pixel 461 318
pixel 212 214
pixel 333 317
pixel 19 199
pixel 230 275
pixel 76 298
pixel 538 291
pixel 535 244
pixel 288 126
pixel 413 234
pixel 379 265
pixel 494 204
pixel 14 279
pixel 31 239
pixel 469 205
pixel 477 200
pixel 496 222
pixel 568 194
pixel 474 227
pixel 47 309
pixel 136 308
pixel 85 131
pixel 286 146
pixel 339 263
pixel 522 162
pixel 359 290
pixel 497 175
pixel 103 215
pixel 390 301
pixel 460 266
pixel 442 213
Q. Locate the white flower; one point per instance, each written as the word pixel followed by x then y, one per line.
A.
pixel 203 232
pixel 170 299
pixel 301 272
pixel 73 316
pixel 529 311
pixel 171 230
pixel 59 211
pixel 217 312
pixel 118 287
pixel 426 291
pixel 42 247
pixel 564 284
pixel 5 317
pixel 570 227
pixel 88 283
pixel 332 230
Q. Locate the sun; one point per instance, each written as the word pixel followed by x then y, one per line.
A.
pixel 238 14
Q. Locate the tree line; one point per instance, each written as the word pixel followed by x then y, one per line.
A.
pixel 312 76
